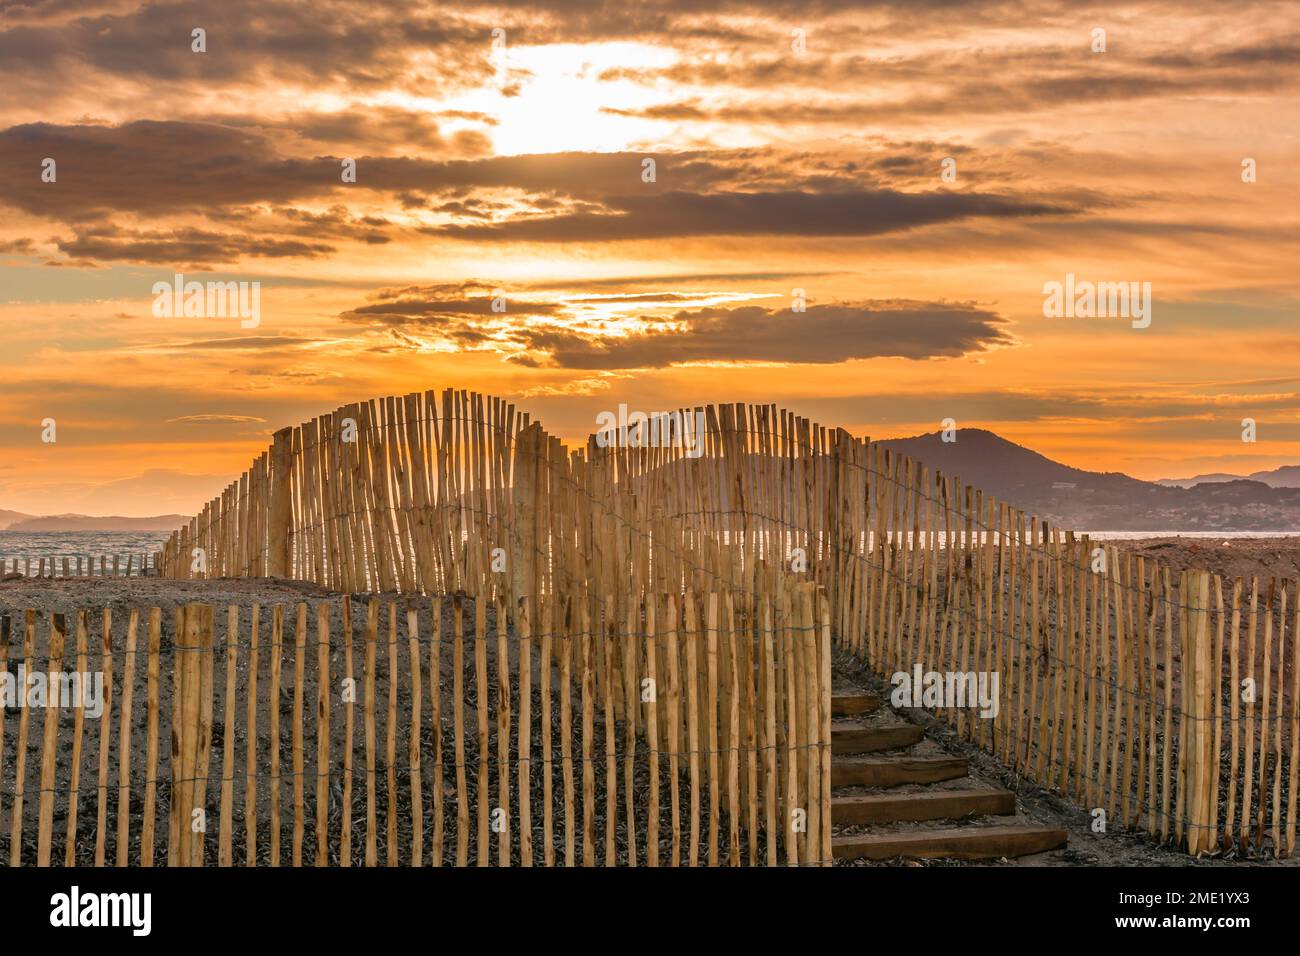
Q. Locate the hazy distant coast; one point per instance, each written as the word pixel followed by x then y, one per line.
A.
pixel 19 522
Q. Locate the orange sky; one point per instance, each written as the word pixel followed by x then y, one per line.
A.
pixel 515 168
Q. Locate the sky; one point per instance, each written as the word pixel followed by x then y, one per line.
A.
pixel 852 210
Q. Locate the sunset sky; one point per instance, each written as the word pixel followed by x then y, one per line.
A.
pixel 792 151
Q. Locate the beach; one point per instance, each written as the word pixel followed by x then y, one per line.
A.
pixel 1229 558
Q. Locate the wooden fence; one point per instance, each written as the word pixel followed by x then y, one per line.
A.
pixel 1120 681
pixel 80 565
pixel 1162 703
pixel 693 730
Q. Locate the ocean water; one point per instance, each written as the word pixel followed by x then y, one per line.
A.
pixel 57 545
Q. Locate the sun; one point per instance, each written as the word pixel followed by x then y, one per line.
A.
pixel 555 98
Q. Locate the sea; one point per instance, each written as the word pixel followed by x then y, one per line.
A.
pixel 21 545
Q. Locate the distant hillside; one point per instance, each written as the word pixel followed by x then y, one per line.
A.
pixel 1214 478
pixel 72 522
pixel 1288 476
pixel 1005 469
pixel 1102 501
pixel 8 518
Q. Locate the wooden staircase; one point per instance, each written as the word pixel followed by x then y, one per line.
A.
pixel 896 795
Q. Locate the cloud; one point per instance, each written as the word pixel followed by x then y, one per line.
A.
pixel 212 419
pixel 788 213
pixel 192 247
pixel 824 334
pixel 443 306
pixel 250 343
pixel 257 201
pixel 150 167
pixel 578 387
pixel 1017 77
pixel 374 129
pixel 366 45
pixel 559 334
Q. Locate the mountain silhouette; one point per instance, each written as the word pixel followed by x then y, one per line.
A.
pixel 1287 476
pixel 1101 501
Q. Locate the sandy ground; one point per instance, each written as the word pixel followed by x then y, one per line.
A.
pixel 66 596
pixel 1229 557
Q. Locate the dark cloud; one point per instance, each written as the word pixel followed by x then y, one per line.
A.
pixel 151 168
pixel 236 176
pixel 241 343
pixel 982 97
pixel 431 50
pixel 634 298
pixel 335 222
pixel 364 45
pixel 417 316
pixel 209 418
pixel 431 307
pixel 624 282
pixel 1007 79
pixel 790 213
pixel 191 247
pixel 372 130
pixel 824 334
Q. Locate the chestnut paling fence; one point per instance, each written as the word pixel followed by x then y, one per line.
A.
pixel 440 731
pixel 1167 701
pixel 77 565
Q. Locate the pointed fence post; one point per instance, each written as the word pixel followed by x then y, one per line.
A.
pixel 280 519
pixel 1198 674
pixel 191 734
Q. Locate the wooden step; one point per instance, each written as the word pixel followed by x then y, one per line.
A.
pixel 966 843
pixel 892 771
pixel 853 738
pixel 851 705
pixel 927 805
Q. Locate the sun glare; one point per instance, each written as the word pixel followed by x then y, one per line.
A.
pixel 552 99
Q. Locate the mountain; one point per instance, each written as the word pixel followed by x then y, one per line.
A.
pixel 1212 478
pixel 16 521
pixel 1007 470
pixel 8 518
pixel 1287 476
pixel 1102 501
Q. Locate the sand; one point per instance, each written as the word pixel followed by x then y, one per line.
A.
pixel 1229 557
